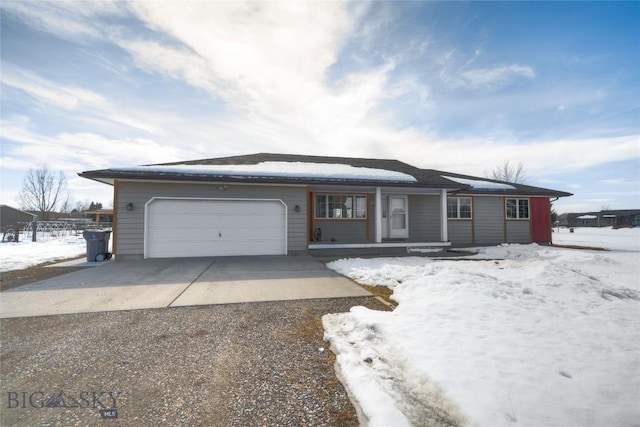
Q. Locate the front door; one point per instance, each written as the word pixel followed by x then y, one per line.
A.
pixel 398 217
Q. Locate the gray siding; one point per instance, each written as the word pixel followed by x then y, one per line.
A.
pixel 519 231
pixel 424 218
pixel 424 223
pixel 488 217
pixel 348 230
pixel 460 232
pixel 130 224
pixel 11 218
pixel 343 231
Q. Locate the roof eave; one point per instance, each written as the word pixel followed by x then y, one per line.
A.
pixel 106 176
pixel 518 192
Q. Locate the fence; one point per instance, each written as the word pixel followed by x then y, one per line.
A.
pixel 49 230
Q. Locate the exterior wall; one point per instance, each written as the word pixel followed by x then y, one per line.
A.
pixel 488 219
pixel 343 231
pixel 460 232
pixel 518 231
pixel 424 218
pixel 605 218
pixel 10 217
pixel 424 223
pixel 573 220
pixel 130 223
pixel 540 220
pixel 488 225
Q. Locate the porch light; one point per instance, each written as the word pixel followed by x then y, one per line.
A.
pixel 129 206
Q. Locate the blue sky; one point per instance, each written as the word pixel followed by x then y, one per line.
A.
pixel 456 86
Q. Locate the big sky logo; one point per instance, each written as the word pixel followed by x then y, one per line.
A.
pixel 105 401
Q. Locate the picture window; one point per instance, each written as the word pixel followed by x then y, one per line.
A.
pixel 340 206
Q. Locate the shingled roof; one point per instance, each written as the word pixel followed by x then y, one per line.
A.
pixel 196 170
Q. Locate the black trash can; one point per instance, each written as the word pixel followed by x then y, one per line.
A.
pixel 97 244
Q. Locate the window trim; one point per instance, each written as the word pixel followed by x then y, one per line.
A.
pixel 517 217
pixel 354 209
pixel 458 211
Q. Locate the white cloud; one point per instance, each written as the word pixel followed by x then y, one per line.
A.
pixel 455 70
pixel 497 76
pixel 269 62
pixel 542 159
pixel 177 63
pixel 274 50
pixel 76 151
pixel 613 181
pixel 47 93
pixel 66 97
pixel 73 20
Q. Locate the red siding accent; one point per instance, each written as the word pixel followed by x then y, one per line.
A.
pixel 540 220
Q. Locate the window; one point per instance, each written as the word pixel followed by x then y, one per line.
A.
pixel 459 207
pixel 341 206
pixel 517 208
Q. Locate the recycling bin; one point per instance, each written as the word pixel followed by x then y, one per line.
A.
pixel 97 244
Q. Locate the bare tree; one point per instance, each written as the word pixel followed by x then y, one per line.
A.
pixel 44 191
pixel 80 206
pixel 508 173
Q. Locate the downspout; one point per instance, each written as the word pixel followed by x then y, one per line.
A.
pixel 444 234
pixel 114 223
pixel 378 215
pixel 551 204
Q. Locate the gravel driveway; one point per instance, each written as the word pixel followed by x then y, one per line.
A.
pixel 257 364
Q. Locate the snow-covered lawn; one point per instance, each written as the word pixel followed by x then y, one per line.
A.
pixel 15 256
pixel 621 239
pixel 514 335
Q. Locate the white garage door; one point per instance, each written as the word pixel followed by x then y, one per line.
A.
pixel 214 227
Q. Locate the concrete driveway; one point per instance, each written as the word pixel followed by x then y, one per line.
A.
pixel 158 283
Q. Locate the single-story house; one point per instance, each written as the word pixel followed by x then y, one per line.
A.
pixel 286 204
pixel 15 219
pixel 604 218
pixel 622 217
pixel 586 219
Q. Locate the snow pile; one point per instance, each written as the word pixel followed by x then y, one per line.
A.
pixel 543 337
pixel 16 256
pixel 281 170
pixel 477 184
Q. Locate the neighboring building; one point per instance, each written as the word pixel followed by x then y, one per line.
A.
pixel 605 218
pixel 101 217
pixel 265 204
pixel 622 218
pixel 12 218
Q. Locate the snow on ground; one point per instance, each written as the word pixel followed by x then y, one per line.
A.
pixel 25 253
pixel 522 335
pixel 621 239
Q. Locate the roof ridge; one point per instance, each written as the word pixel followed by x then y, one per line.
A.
pixel 284 157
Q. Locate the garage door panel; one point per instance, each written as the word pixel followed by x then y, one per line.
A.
pixel 207 227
